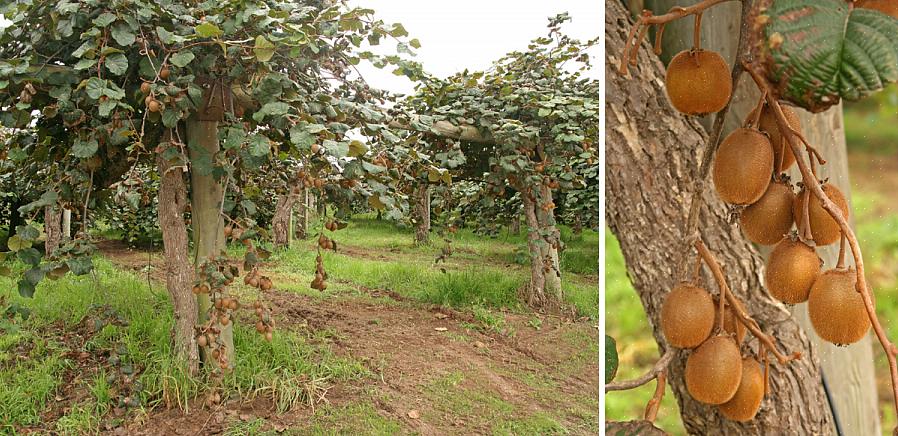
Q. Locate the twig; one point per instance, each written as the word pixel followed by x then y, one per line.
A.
pixel 811 183
pixel 651 409
pixel 659 366
pixel 647 19
pixel 745 319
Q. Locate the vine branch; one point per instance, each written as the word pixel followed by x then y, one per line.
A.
pixel 660 366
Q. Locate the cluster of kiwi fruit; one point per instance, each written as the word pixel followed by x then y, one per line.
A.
pixel 264 321
pixel 153 104
pixel 255 279
pixel 716 372
pixel 747 172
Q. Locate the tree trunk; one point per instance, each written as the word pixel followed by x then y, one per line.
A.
pixel 550 250
pixel 280 223
pixel 208 224
pixel 652 159
pixel 52 228
pixel 422 214
pixel 178 267
pixel 302 214
pixel 544 289
pixel 515 228
pixel 849 372
pixel 66 224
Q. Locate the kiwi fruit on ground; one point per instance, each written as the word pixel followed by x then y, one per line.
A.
pixel 687 316
pixel 698 82
pixel 824 228
pixel 745 404
pixel 714 371
pixel 888 7
pixel 731 324
pixel 743 166
pixel 792 268
pixel 769 219
pixel 769 126
pixel 836 308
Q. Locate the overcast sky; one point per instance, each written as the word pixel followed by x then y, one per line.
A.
pixel 472 34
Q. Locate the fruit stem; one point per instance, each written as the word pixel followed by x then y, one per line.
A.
pixel 651 409
pixel 744 318
pixel 813 184
pixel 658 35
pixel 660 366
pixel 755 117
pixel 841 263
pixel 647 18
pixel 697 32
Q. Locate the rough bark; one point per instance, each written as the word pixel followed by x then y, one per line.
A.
pixel 178 267
pixel 280 223
pixel 52 228
pixel 848 371
pixel 422 214
pixel 515 227
pixel 208 224
pixel 652 156
pixel 544 289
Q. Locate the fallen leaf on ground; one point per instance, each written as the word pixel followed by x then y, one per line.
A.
pixel 413 414
pixel 440 329
pixel 479 344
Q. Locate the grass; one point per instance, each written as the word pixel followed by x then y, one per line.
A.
pixel 352 419
pixel 287 369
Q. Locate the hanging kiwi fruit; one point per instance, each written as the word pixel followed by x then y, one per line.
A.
pixel 769 219
pixel 687 316
pixel 742 166
pixel 888 7
pixel 836 308
pixel 714 371
pixel 745 403
pixel 769 126
pixel 698 82
pixel 792 268
pixel 824 228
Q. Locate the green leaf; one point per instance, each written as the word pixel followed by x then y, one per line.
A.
pixel 207 30
pixel 274 109
pixel 263 49
pixel 168 37
pixel 105 19
pixel 34 275
pixel 335 149
pixel 29 256
pixel 95 87
pixel 415 43
pixel 26 289
pixel 357 148
pixel 259 146
pixel 85 64
pixel 301 137
pixel 821 51
pixel 611 359
pixel 84 149
pixel 116 64
pixel 249 206
pixel 182 58
pixel 29 232
pixel 80 265
pixel 123 35
pixel 16 243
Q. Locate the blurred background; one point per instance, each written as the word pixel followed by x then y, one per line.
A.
pixel 871 130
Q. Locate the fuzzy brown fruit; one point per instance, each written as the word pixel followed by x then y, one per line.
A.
pixel 770 218
pixel 698 82
pixel 836 309
pixel 769 126
pixel 792 268
pixel 154 106
pixel 714 371
pixel 888 7
pixel 824 229
pixel 687 316
pixel 742 166
pixel 145 88
pixel 731 323
pixel 164 73
pixel 745 404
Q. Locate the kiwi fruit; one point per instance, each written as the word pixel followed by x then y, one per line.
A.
pixel 770 218
pixel 687 316
pixel 698 82
pixel 164 73
pixel 824 228
pixel 145 88
pixel 154 106
pixel 745 404
pixel 714 371
pixel 792 268
pixel 731 324
pixel 888 7
pixel 742 166
pixel 768 125
pixel 836 308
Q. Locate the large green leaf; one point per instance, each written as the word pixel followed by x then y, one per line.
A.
pixel 820 51
pixel 611 359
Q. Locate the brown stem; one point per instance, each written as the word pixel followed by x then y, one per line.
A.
pixel 754 117
pixel 814 186
pixel 697 32
pixel 841 263
pixel 659 366
pixel 631 47
pixel 743 317
pixel 651 409
pixel 658 35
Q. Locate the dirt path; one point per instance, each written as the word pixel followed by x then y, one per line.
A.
pixel 435 371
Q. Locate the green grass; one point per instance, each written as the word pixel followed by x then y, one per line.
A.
pixel 287 369
pixel 352 419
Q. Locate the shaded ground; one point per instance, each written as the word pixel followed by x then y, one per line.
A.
pixel 433 370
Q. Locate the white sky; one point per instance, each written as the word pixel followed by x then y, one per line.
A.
pixel 471 34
